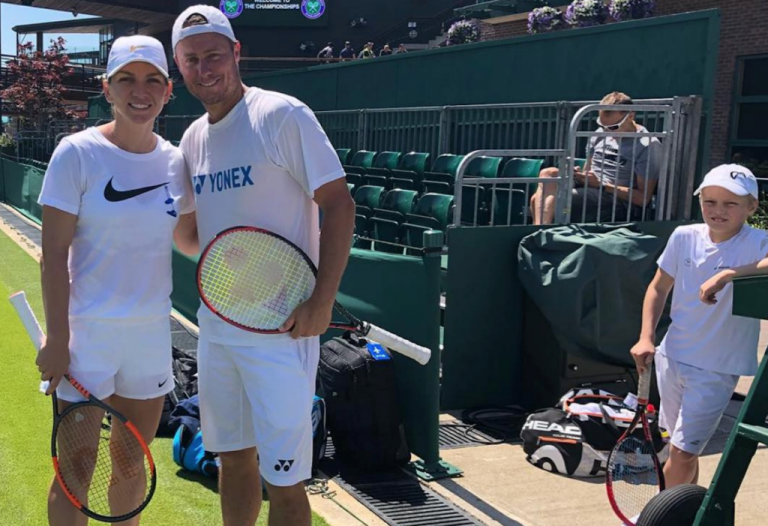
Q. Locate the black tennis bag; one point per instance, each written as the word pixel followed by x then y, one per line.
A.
pixel 357 378
pixel 184 386
pixel 575 437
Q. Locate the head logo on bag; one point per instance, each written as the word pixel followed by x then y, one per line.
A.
pixel 573 431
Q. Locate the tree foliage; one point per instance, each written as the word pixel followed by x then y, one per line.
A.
pixel 36 89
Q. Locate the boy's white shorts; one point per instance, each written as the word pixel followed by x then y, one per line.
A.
pixel 261 397
pixel 692 402
pixel 129 358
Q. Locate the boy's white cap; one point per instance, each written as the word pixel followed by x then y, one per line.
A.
pixel 217 23
pixel 733 177
pixel 136 48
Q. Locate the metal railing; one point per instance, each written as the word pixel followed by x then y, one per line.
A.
pixel 671 135
pixel 503 191
pixel 462 129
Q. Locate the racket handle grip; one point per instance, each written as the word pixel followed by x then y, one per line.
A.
pixel 401 345
pixel 19 302
pixel 644 385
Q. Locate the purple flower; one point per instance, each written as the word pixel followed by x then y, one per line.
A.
pixel 632 9
pixel 545 19
pixel 585 13
pixel 463 32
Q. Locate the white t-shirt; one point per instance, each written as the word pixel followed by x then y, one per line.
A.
pixel 127 206
pixel 258 166
pixel 709 336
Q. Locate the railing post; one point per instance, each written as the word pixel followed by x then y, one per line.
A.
pixel 362 130
pixel 444 135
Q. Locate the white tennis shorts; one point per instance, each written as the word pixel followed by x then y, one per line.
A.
pixel 129 358
pixel 261 396
pixel 692 402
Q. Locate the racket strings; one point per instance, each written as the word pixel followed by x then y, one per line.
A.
pixel 255 279
pixel 101 462
pixel 633 475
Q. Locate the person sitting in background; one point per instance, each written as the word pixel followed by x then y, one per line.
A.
pixel 619 173
pixel 385 51
pixel 347 53
pixel 401 49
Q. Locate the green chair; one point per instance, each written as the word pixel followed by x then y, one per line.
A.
pixel 383 163
pixel 368 198
pixel 440 178
pixel 509 206
pixel 399 182
pixel 445 164
pixel 376 180
pixel 343 154
pixel 520 167
pixel 412 166
pixel 414 162
pixel 483 166
pixel 397 204
pixel 388 231
pixel 360 162
pixel 435 207
pixel 398 201
pixel 355 179
pixel 436 187
pixel 473 212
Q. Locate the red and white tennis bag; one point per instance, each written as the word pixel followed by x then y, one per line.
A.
pixel 575 437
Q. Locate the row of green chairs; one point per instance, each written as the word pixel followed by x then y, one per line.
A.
pixel 389 215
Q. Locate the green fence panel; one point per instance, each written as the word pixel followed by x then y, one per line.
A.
pixel 21 184
pixel 484 316
pixel 184 297
pixel 34 178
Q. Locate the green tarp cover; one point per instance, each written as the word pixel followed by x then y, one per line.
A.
pixel 590 281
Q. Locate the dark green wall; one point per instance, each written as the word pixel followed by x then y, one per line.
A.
pixel 658 57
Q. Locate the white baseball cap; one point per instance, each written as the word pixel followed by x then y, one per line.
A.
pixel 733 177
pixel 136 48
pixel 217 23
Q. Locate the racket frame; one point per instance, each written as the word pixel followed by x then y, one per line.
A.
pixel 420 354
pixel 36 334
pixel 212 244
pixel 644 384
pixel 353 324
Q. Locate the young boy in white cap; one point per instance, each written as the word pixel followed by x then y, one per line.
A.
pixel 256 390
pixel 706 348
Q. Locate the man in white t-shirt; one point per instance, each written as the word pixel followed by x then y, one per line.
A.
pixel 706 348
pixel 260 158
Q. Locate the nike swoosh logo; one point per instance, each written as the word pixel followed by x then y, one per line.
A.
pixel 115 196
pixel 164 382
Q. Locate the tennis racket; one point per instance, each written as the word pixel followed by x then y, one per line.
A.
pixel 101 461
pixel 254 279
pixel 634 475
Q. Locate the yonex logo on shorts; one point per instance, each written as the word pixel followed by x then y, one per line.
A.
pixel 285 465
pixel 236 177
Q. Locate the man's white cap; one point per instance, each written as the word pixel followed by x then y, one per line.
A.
pixel 136 48
pixel 733 177
pixel 217 23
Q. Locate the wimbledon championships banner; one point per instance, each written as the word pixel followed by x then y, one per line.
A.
pixel 280 13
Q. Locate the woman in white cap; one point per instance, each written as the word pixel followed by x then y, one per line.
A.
pixel 114 199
